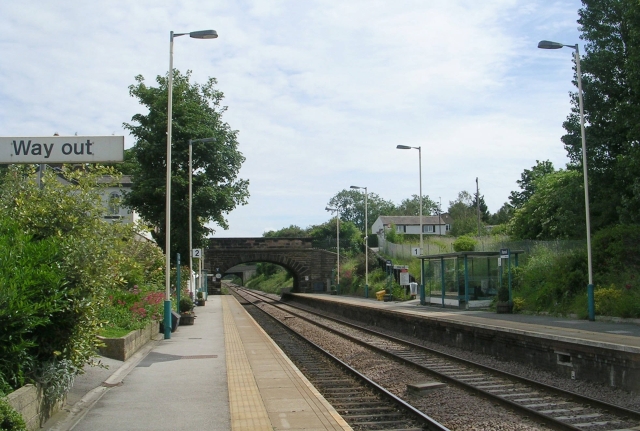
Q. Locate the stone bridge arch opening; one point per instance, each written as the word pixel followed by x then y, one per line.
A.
pixel 311 268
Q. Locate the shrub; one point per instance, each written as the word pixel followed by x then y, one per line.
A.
pixel 464 243
pixel 605 299
pixel 10 420
pixel 186 304
pixel 518 304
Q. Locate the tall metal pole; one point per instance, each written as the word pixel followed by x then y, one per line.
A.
pixel 337 211
pixel 478 204
pixel 440 215
pixel 366 241
pixel 420 167
pixel 338 249
pixel 546 44
pixel 590 293
pixel 366 244
pixel 167 299
pixel 190 215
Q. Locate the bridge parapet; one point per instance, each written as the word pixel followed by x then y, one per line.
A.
pixel 257 243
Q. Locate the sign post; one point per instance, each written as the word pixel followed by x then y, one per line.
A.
pixel 505 253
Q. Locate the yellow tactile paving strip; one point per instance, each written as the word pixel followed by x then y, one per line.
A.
pixel 273 384
pixel 245 403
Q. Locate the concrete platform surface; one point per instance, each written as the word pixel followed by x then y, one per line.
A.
pixel 222 373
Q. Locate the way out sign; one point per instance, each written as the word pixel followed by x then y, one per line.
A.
pixel 61 149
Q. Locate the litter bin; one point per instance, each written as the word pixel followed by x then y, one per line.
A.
pixel 380 295
pixel 413 287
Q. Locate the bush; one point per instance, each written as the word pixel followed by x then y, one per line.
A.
pixel 464 243
pixel 186 304
pixel 10 420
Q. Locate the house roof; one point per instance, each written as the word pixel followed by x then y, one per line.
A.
pixel 125 180
pixel 443 219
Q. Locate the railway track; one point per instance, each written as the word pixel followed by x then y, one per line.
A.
pixel 360 401
pixel 556 408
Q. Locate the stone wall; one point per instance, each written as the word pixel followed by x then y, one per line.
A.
pixel 29 402
pixel 123 348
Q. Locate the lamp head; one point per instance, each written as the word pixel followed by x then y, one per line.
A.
pixel 329 209
pixel 547 44
pixel 355 187
pixel 403 147
pixel 204 34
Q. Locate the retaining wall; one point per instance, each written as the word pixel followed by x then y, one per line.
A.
pixel 122 348
pixel 29 402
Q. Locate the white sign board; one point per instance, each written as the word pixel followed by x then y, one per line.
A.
pixel 404 279
pixel 416 251
pixel 61 149
pixel 196 252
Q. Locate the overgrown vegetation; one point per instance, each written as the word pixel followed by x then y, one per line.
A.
pixel 59 265
pixel 555 281
pixel 10 420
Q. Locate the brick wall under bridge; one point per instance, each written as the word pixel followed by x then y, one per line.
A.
pixel 311 267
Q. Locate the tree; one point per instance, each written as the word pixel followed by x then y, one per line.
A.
pixel 611 83
pixel 554 211
pixel 503 215
pixel 351 238
pixel 217 190
pixel 411 207
pixel 484 210
pixel 351 205
pixel 464 215
pixel 527 182
pixel 292 231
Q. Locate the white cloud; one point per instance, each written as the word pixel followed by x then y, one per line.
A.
pixel 321 91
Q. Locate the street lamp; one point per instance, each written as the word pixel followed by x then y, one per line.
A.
pixel 202 34
pixel 406 147
pixel 366 242
pixel 191 142
pixel 337 211
pixel 546 44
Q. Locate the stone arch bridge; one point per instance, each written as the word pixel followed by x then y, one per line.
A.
pixel 311 267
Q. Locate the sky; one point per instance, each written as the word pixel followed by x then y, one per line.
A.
pixel 320 91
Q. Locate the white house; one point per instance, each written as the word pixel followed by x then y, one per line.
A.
pixel 112 200
pixel 431 225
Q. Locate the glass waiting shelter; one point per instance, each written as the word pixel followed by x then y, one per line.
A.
pixel 466 279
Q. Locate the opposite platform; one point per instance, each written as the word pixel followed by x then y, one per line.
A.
pixel 222 373
pixel 602 352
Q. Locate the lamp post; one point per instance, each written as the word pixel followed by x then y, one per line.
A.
pixel 366 241
pixel 545 44
pixel 337 211
pixel 203 34
pixel 406 147
pixel 191 142
pixel 440 216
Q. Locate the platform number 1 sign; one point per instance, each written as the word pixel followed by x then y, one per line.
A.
pixel 196 252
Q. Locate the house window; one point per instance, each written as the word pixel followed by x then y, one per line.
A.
pixel 114 203
pixel 401 228
pixel 447 227
pixel 428 228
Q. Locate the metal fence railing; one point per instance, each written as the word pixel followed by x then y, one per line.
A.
pixel 442 245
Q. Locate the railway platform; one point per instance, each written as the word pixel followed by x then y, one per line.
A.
pixel 607 352
pixel 222 373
